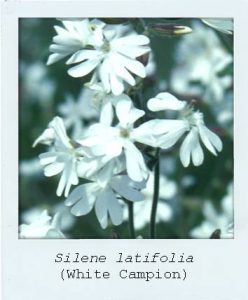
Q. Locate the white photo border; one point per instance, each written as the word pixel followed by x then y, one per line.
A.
pixel 29 271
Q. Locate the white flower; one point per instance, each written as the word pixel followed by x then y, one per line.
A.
pixel 103 193
pixel 168 132
pixel 75 35
pixel 142 209
pixel 214 220
pixel 113 141
pixel 200 58
pixel 105 102
pixel 224 25
pixel 36 84
pixel 112 55
pixel 73 161
pixel 65 218
pixel 43 227
pixel 76 113
pixel 63 158
pixel 30 167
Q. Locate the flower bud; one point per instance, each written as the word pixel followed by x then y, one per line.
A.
pixel 168 29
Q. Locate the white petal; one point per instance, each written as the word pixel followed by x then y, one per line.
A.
pixel 58 126
pixel 83 68
pixel 66 40
pixel 60 30
pixel 46 137
pixel 85 193
pixel 83 55
pixel 185 150
pixel 62 182
pixel 101 209
pixel 159 133
pixel 191 146
pixel 122 72
pixel 164 101
pixel 114 208
pixel 133 52
pixel 105 174
pixel 54 234
pixel 53 169
pixel 82 207
pixel 72 178
pixel 132 65
pixel 76 195
pixel 136 40
pixel 126 113
pixel 168 140
pixel 54 57
pixel 116 84
pixel 107 113
pixel 197 153
pixel 224 25
pixel 61 49
pixel 122 185
pixel 210 139
pixel 159 127
pixel 136 167
pixel 47 158
pixel 104 74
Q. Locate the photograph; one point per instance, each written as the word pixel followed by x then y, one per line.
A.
pixel 126 128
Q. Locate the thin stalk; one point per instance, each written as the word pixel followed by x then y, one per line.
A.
pixel 155 197
pixel 131 219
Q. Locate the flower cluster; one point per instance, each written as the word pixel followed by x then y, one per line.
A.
pixel 42 227
pixel 110 53
pixel 106 165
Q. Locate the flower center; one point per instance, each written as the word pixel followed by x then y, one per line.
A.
pixel 194 118
pixel 124 133
pixel 105 47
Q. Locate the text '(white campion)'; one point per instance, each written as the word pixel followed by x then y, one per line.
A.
pixel 110 51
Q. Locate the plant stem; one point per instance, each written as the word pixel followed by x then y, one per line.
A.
pixel 131 219
pixel 155 197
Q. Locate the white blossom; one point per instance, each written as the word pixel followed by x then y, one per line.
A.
pixel 112 55
pixel 30 167
pixel 113 141
pixel 103 193
pixel 73 36
pixel 105 102
pixel 62 158
pixel 36 84
pixel 200 57
pixel 214 220
pixel 42 227
pixel 76 113
pixel 66 219
pixel 224 25
pixel 72 161
pixel 168 132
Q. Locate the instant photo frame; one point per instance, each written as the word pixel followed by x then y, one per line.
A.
pixel 37 268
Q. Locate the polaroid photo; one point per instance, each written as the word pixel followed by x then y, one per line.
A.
pixel 124 150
